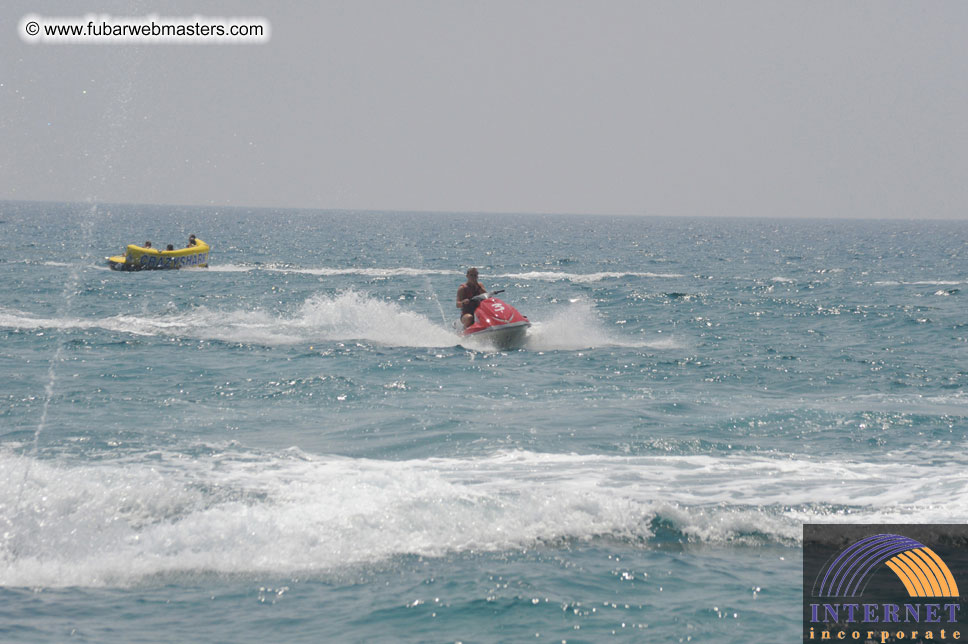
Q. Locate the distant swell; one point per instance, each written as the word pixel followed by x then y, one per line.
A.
pixel 554 276
pixel 325 271
pixel 544 276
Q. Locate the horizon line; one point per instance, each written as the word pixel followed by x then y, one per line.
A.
pixel 481 212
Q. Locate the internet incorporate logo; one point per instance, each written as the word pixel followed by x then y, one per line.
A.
pixel 909 592
pixel 922 572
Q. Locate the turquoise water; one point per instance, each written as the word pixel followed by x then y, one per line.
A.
pixel 293 445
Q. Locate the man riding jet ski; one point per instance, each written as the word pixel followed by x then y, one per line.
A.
pixel 485 317
pixel 465 297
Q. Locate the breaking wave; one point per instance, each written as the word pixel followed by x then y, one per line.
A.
pixel 122 518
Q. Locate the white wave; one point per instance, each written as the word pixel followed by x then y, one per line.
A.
pixel 367 272
pixel 901 402
pixel 548 276
pixel 783 280
pixel 663 344
pixel 116 521
pixel 920 283
pixel 580 278
pixel 346 316
pixel 231 268
pixel 25 321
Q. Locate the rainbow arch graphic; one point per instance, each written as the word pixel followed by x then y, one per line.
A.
pixel 922 572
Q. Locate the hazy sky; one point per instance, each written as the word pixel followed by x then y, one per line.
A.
pixel 812 109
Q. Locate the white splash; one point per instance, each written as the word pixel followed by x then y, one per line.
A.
pixel 578 326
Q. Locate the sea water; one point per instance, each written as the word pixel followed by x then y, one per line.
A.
pixel 294 445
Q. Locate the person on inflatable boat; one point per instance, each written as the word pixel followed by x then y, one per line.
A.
pixel 465 295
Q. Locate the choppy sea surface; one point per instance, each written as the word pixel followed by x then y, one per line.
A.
pixel 294 445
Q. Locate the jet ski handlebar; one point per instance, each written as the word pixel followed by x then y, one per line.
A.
pixel 484 296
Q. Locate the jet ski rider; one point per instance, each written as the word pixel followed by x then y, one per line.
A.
pixel 465 295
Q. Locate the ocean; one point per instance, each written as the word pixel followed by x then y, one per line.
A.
pixel 293 445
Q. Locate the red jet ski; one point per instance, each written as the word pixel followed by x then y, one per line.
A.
pixel 497 322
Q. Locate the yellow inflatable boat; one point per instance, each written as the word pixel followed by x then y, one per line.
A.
pixel 138 258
